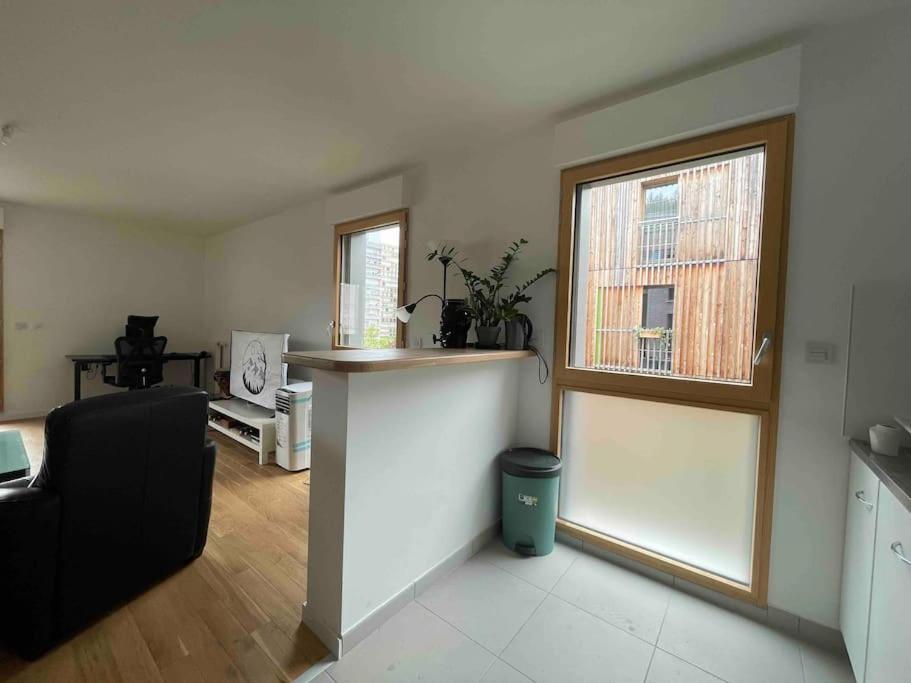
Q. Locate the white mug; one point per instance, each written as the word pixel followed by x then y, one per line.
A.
pixel 885 439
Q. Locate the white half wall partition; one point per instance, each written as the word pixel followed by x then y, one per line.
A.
pixel 405 478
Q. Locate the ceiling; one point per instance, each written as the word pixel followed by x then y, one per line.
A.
pixel 199 115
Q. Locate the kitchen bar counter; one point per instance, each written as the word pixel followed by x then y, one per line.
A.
pixel 404 482
pixel 894 472
pixel 378 360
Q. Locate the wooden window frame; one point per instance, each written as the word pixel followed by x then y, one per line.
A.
pixel 381 220
pixel 759 398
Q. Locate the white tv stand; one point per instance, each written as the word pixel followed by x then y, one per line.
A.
pixel 229 416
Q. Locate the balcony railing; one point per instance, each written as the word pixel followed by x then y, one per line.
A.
pixel 630 350
pixel 656 354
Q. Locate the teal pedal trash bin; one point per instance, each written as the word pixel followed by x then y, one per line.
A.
pixel 531 485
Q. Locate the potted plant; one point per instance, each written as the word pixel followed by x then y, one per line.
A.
pixel 653 333
pixel 485 302
pixel 650 333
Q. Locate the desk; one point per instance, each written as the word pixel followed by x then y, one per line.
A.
pixel 82 362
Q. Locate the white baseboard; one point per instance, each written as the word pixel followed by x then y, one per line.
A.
pixel 28 415
pixel 339 644
pixel 376 618
pixel 774 617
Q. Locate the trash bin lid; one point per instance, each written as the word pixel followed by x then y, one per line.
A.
pixel 535 463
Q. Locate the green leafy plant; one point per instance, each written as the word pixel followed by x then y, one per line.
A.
pixel 486 302
pixel 509 304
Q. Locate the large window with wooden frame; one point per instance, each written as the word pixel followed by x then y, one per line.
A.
pixel 666 369
pixel 369 281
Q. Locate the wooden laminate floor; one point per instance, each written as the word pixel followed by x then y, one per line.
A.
pixel 232 615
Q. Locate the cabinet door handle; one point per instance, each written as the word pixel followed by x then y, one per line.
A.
pixel 860 496
pixel 899 552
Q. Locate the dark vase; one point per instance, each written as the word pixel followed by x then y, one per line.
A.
pixel 487 336
pixel 518 333
pixel 455 321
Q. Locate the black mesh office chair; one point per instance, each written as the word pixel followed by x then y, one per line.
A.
pixel 139 362
pixel 141 325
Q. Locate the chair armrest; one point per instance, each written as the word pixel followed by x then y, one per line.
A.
pixel 205 496
pixel 29 523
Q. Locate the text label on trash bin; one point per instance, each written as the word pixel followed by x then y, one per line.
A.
pixel 528 500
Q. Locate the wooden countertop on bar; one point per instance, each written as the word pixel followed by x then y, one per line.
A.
pixel 378 360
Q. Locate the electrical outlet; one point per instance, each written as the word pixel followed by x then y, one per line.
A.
pixel 819 352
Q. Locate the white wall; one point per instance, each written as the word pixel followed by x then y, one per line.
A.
pixel 272 275
pixel 485 201
pixel 73 280
pixel 757 89
pixel 849 222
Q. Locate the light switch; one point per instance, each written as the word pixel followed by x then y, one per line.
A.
pixel 20 325
pixel 820 352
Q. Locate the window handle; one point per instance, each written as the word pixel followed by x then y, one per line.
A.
pixel 860 496
pixel 899 552
pixel 763 348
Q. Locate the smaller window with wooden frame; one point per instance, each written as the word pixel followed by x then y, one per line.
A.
pixel 659 222
pixel 369 282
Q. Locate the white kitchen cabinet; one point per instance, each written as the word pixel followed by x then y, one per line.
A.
pixel 857 568
pixel 889 641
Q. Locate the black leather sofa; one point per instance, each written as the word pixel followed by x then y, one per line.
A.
pixel 121 501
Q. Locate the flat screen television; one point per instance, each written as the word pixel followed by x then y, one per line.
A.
pixel 256 366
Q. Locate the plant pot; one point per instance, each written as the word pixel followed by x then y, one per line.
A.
pixel 487 336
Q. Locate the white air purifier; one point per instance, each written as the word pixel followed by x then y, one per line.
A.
pixel 293 408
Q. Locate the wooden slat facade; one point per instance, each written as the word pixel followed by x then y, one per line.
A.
pixel 713 269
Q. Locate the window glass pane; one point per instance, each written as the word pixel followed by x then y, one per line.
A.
pixel 673 479
pixel 666 265
pixel 369 288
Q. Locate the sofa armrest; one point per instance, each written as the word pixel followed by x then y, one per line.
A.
pixel 29 524
pixel 205 497
pixel 20 483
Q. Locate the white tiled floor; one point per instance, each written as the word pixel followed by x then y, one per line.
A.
pixel 568 617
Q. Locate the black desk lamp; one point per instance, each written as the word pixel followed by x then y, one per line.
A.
pixel 455 319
